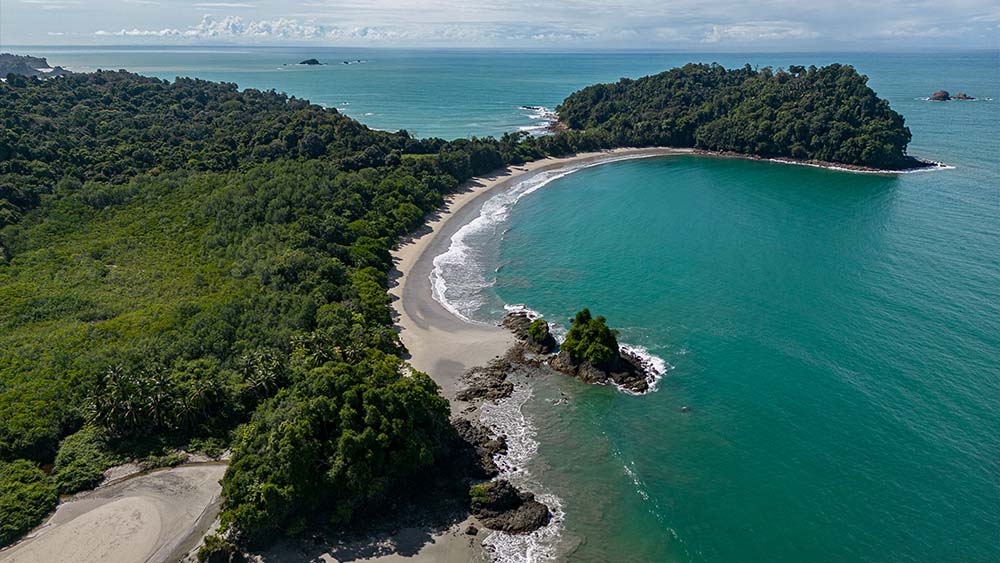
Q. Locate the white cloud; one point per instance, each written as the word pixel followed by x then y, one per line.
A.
pixel 719 24
pixel 140 33
pixel 758 31
pixel 223 5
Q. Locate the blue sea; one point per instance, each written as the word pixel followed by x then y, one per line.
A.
pixel 835 336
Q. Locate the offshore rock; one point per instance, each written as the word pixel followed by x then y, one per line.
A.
pixel 500 506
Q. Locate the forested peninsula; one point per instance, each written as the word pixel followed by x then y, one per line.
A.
pixel 185 265
pixel 825 115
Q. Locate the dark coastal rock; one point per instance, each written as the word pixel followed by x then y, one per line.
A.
pixel 311 62
pixel 482 445
pixel 487 382
pixel 534 334
pixel 962 96
pixel 629 372
pixel 940 96
pixel 500 506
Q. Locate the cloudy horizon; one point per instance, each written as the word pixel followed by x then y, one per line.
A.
pixel 570 24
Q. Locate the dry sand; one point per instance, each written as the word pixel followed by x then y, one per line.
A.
pixel 154 517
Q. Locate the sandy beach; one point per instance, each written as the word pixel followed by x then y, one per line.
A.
pixel 443 346
pixel 157 517
pixel 439 343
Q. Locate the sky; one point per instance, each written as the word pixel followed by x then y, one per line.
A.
pixel 544 24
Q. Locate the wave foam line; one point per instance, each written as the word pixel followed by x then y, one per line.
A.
pixel 459 274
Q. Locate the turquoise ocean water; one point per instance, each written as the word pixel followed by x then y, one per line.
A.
pixel 835 335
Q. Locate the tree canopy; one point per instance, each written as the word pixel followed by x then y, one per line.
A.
pixel 589 339
pixel 826 114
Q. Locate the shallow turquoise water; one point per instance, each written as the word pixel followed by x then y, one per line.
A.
pixel 837 336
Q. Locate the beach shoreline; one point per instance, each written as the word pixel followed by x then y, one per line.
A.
pixel 438 342
pixel 443 345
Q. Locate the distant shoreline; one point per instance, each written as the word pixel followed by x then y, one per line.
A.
pixel 925 165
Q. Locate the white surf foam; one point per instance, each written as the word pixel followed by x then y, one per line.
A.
pixel 506 418
pixel 545 117
pixel 655 367
pixel 459 276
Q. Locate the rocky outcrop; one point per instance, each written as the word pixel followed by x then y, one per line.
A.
pixel 500 506
pixel 944 96
pixel 481 446
pixel 487 382
pixel 24 65
pixel 534 334
pixel 311 62
pixel 628 372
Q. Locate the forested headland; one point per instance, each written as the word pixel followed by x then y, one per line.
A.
pixel 185 265
pixel 827 114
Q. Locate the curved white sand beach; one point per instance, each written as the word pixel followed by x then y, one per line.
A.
pixel 153 517
pixel 441 344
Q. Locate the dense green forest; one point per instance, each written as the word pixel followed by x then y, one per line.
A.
pixel 188 265
pixel 825 114
pixel 179 258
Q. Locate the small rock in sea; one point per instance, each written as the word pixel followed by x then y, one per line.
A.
pixel 472 530
pixel 685 409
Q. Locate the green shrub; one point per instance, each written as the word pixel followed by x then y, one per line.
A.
pixel 590 339
pixel 26 497
pixel 81 461
pixel 216 549
pixel 538 331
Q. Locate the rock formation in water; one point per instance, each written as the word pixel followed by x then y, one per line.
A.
pixel 534 334
pixel 500 506
pixel 591 353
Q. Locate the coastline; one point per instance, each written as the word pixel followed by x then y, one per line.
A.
pixel 439 343
pixel 445 346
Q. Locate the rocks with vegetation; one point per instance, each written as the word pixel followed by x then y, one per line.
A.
pixel 826 114
pixel 533 333
pixel 216 549
pixel 500 506
pixel 591 353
